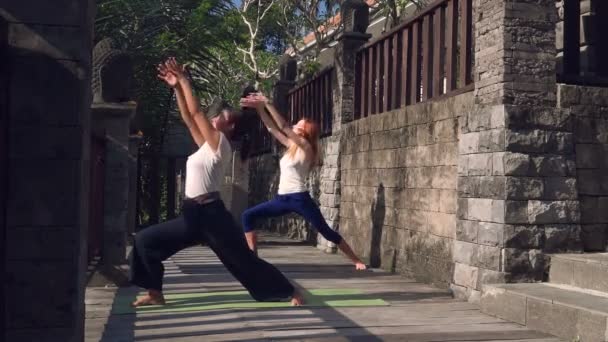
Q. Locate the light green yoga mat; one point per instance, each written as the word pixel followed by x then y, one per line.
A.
pixel 183 302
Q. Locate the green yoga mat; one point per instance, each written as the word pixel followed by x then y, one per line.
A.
pixel 183 302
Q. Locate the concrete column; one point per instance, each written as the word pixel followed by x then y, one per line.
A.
pixel 115 118
pixel 517 198
pixel 47 167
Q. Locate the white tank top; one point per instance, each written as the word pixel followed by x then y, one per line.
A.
pixel 293 173
pixel 205 168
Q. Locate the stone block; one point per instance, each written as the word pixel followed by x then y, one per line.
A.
pixel 490 234
pixel 331 161
pixel 480 164
pixel 560 188
pixel 448 201
pixel 523 237
pixel 479 120
pixel 526 264
pixel 560 143
pixel 523 188
pixel 60 278
pixel 462 209
pixel 43 142
pixel 443 177
pixel 560 238
pixel 467 230
pixel 57 87
pixel 445 131
pixel 553 212
pixel 62 12
pixel 448 154
pixel 479 209
pixel 489 257
pixel 502 304
pixel 419 177
pixel 516 164
pixel 588 156
pixel 383 159
pixel 491 277
pixel 602 209
pixel 43 193
pixel 466 275
pixel 552 166
pixel 362 144
pixel 32 243
pixel 441 224
pixel 392 178
pixel 384 140
pixel 516 212
pixel 498 165
pixel 463 165
pixel 492 140
pixel 424 134
pixel 469 143
pixel 526 141
pixel 589 209
pixel 594 237
pixel 465 252
pixel 551 318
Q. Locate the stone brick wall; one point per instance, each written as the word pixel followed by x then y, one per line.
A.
pixel 399 179
pixel 588 107
pixel 48 63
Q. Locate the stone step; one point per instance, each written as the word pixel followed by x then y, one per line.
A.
pixel 561 310
pixel 587 271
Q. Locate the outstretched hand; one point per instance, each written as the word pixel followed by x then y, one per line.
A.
pixel 167 76
pixel 179 70
pixel 256 100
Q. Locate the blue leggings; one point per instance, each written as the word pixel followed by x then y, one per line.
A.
pixel 300 203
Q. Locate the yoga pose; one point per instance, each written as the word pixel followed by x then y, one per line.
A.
pixel 204 218
pixel 301 142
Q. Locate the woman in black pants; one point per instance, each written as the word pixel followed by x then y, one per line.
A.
pixel 204 218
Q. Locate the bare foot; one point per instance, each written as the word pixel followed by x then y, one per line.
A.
pixel 149 300
pixel 296 298
pixel 360 266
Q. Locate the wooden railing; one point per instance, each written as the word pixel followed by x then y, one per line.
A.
pixel 313 100
pixel 425 57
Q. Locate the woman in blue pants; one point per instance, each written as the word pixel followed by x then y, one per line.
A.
pixel 301 141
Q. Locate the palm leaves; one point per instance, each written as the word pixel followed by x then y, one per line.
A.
pixel 155 29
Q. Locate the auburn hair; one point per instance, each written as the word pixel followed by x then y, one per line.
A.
pixel 310 132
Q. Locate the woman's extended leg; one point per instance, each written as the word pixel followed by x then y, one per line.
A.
pixel 263 281
pixel 272 208
pixel 152 246
pixel 305 206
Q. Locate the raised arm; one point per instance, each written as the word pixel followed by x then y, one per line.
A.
pixel 208 132
pixel 172 81
pixel 271 126
pixel 283 124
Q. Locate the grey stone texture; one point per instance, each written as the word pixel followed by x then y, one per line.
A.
pixel 48 117
pixel 399 188
pixel 588 107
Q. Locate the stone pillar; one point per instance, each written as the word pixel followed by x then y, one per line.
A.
pixel 115 117
pixel 113 111
pixel 516 186
pixel 47 65
pixel 355 14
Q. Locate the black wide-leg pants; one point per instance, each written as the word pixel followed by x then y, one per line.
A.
pixel 211 224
